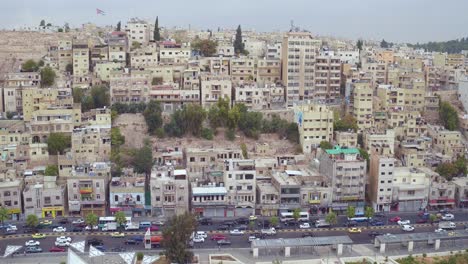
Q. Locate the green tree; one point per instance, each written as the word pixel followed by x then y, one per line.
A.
pixel 194 115
pixel 448 116
pixel 156 33
pixel 369 213
pixel 245 154
pixel 239 46
pixel 60 30
pixel 120 219
pixel 384 44
pixel 10 115
pixel 140 256
pixel 274 221
pixel 460 164
pixel 117 139
pixel 135 45
pixel 206 47
pixel 66 27
pixel 42 24
pixel 447 170
pixel 176 237
pixel 207 133
pixel 351 211
pixel 51 170
pixel 69 70
pixel 432 218
pixel 359 44
pixel 152 116
pixel 296 214
pixel 143 160
pixel 325 145
pixel 365 156
pixel 29 66
pixel 4 215
pixel 47 77
pixel 92 220
pixel 230 134
pixel 57 143
pixel 40 63
pixel 32 221
pixel 118 26
pixel 348 122
pixel 331 218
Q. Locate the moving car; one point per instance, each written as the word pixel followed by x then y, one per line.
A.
pixel 374 233
pixel 78 221
pixel 242 221
pixel 252 217
pixel 304 226
pixel 198 239
pixel 77 229
pixel 377 223
pixel 63 239
pixel 100 248
pixel 269 231
pixel 131 242
pixel 448 217
pixel 138 238
pixel 33 250
pixel 63 221
pixel 12 227
pixel 205 221
pixel 201 234
pixel 158 223
pixel 59 229
pixel 95 242
pixel 379 214
pixel 223 227
pixel 403 222
pixel 45 222
pixel 154 228
pixel 62 244
pixel 308 234
pixel 29 230
pixel 31 243
pixel 252 238
pixel 421 221
pixel 217 237
pixel 394 219
pixel 354 230
pixel 351 224
pixel 117 234
pixel 38 236
pixel 57 249
pixel 88 228
pixel 236 232
pixel 440 230
pixel 223 242
pixel 407 228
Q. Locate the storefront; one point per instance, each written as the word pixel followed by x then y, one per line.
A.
pixel 14 213
pixel 53 211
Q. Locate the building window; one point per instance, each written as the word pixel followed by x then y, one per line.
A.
pixel 74 185
pixel 116 198
pixel 138 198
pixel 57 197
pixel 98 196
pixel 97 184
pixel 158 199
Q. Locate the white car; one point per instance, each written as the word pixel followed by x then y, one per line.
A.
pixel 63 239
pixel 59 229
pixel 12 227
pixel 407 228
pixel 404 222
pixel 198 239
pixel 440 230
pixel 252 238
pixel 236 232
pixel 201 234
pixel 32 243
pixel 447 217
pixel 62 244
pixel 89 227
pixel 78 221
pixel 304 226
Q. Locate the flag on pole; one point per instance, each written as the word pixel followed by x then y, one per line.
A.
pixel 100 12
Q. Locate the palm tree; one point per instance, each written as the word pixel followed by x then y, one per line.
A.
pixel 4 215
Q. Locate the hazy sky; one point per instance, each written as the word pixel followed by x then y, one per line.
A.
pixel 394 20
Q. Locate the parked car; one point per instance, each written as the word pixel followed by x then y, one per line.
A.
pixel 154 228
pixel 29 230
pixel 223 227
pixel 57 249
pixel 33 250
pixel 252 217
pixel 376 223
pixel 407 228
pixel 217 237
pixel 394 219
pixel 354 230
pixel 31 243
pixel 241 227
pixel 138 238
pixel 304 226
pixel 95 242
pixel 78 221
pixel 10 232
pixel 229 223
pixel 379 214
pixel 448 217
pixel 118 234
pixel 45 222
pixel 236 232
pixel 444 211
pixel 59 229
pixel 198 239
pixel 201 234
pixel 404 222
pixel 205 221
pixel 88 228
pixel 242 221
pixel 158 223
pixel 223 242
pixel 131 242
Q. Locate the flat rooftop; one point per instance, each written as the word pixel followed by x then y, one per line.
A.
pixel 305 241
pixel 428 236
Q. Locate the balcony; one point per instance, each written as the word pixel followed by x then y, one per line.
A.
pixel 314 201
pixel 86 190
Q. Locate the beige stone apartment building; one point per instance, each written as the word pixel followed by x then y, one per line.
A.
pixel 315 124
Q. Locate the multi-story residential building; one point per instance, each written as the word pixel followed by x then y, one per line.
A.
pixel 12 94
pixel 199 162
pixel 315 123
pixel 54 120
pixel 138 30
pixel 377 70
pixel 273 51
pixel 39 99
pixel 463 91
pixel 445 141
pixel 103 69
pixel 347 172
pixel 454 60
pixel 43 197
pixel 346 139
pixel 214 87
pixel 289 189
pixel 90 144
pixel 87 195
pixel 348 56
pixel 412 152
pixel 441 191
pixel 170 191
pixel 127 88
pixel 81 61
pixel 219 65
pixel 268 72
pixel 240 182
pixel 99 53
pixel 267 199
pixel 10 198
pixel 362 105
pixel 64 54
pixel 410 189
pixel 461 191
pixel 257 98
pixel 191 79
pixel 298 59
pixel 145 56
pixel 242 70
pixel 118 46
pixel 174 53
pixel 327 79
pixel 127 194
pixel 380 189
pixel 373 138
pixel 210 200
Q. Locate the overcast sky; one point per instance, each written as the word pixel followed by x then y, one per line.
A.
pixel 394 20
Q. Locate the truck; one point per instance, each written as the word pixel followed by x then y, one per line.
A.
pixel 269 231
pixel 321 223
pixel 132 226
pixel 109 227
pixel 447 225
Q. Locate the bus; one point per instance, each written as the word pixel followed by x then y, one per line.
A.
pixel 288 216
pixel 111 219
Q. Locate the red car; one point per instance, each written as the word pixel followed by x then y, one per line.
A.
pixel 218 237
pixel 154 228
pixel 57 249
pixel 395 219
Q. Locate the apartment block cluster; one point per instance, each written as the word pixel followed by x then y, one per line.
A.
pixel 392 93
